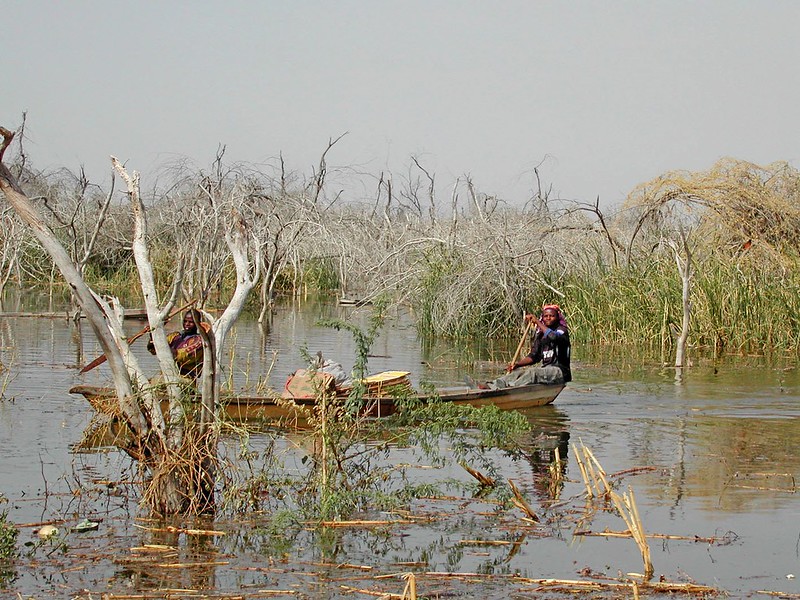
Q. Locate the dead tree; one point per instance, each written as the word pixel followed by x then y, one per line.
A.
pixel 86 297
pixel 177 453
pixel 683 260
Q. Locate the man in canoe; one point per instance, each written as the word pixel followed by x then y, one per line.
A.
pixel 186 346
pixel 550 347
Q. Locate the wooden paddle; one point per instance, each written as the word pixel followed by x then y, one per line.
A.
pixel 102 358
pixel 521 342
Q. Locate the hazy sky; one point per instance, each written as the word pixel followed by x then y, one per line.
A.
pixel 608 94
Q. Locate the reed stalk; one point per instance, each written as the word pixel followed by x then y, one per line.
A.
pixel 556 476
pixel 593 474
pixel 584 473
pixel 410 591
pixel 627 509
pixel 520 502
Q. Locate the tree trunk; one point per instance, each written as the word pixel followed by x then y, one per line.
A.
pixel 86 298
pixel 179 454
pixel 685 270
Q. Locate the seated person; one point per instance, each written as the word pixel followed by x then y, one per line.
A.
pixel 550 347
pixel 186 346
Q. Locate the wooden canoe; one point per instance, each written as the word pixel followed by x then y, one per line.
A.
pixel 292 410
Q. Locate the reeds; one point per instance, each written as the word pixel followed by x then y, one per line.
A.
pixel 597 486
pixel 556 482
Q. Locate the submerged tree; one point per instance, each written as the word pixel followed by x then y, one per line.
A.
pixel 176 450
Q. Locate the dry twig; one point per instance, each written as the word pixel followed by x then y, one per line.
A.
pixel 482 479
pixel 520 502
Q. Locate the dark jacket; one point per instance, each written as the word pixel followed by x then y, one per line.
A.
pixel 552 348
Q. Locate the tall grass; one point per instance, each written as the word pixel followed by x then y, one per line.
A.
pixel 733 310
pixel 736 306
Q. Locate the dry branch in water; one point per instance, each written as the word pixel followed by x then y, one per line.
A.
pixel 520 502
pixel 661 536
pixel 482 479
pixel 625 504
pixel 577 585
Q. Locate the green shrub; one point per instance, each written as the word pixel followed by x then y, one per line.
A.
pixel 8 538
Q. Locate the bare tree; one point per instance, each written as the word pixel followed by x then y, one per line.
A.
pixel 683 260
pixel 11 246
pixel 86 297
pixel 176 453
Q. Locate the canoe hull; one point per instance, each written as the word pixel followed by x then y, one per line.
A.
pixel 294 410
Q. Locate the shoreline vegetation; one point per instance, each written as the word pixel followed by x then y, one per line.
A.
pixel 713 252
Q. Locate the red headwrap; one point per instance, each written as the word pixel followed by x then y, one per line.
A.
pixel 562 320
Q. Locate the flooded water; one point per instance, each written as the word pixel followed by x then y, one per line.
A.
pixel 713 460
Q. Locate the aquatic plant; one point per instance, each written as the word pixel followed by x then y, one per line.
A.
pixel 8 536
pixel 346 464
pixel 8 546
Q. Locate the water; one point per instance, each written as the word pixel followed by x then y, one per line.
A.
pixel 716 456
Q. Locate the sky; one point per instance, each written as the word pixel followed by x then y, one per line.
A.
pixel 599 95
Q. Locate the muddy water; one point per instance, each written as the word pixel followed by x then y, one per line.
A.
pixel 715 455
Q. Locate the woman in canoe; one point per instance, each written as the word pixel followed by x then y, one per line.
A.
pixel 550 348
pixel 186 346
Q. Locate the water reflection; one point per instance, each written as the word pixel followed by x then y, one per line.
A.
pixel 740 458
pixel 103 433
pixel 545 452
pixel 721 451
